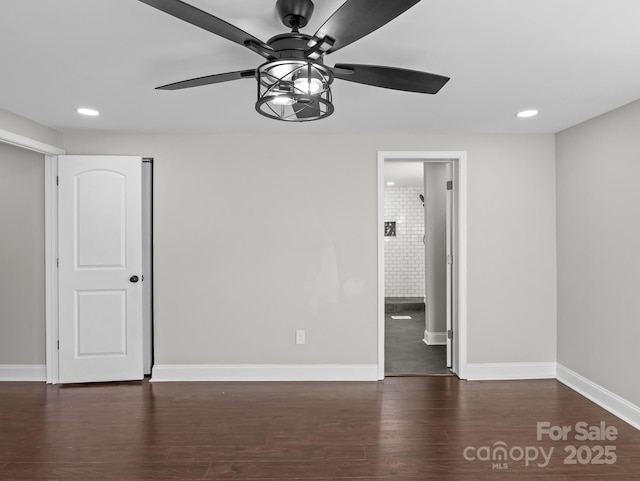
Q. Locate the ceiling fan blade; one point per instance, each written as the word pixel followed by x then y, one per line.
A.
pixel 357 18
pixel 205 20
pixel 391 78
pixel 305 110
pixel 208 80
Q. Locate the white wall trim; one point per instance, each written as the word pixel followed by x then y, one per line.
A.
pixel 613 403
pixel 22 372
pixel 381 287
pixel 511 371
pixel 264 372
pixel 28 143
pixel 460 162
pixel 435 338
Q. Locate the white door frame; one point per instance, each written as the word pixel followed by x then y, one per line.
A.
pixel 50 266
pixel 459 159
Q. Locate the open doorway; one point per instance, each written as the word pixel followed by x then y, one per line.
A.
pixel 422 264
pixel 418 289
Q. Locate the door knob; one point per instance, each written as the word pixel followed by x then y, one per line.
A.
pixel 133 279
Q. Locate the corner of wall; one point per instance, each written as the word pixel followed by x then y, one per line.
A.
pixel 608 400
pixel 23 132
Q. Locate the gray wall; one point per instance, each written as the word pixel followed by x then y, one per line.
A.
pixel 598 176
pixel 22 328
pixel 257 235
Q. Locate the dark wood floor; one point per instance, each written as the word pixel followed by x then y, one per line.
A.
pixel 402 429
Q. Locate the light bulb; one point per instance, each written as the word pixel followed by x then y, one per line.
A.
pixel 282 100
pixel 308 85
pixel 281 71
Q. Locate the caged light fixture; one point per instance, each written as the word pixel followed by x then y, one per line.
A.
pixel 296 90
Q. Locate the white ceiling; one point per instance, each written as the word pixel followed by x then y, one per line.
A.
pixel 571 59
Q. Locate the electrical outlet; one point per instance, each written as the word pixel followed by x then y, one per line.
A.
pixel 300 336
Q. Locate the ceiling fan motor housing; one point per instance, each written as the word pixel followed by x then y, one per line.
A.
pixel 291 45
pixel 295 13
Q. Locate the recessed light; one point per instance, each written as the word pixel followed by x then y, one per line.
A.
pixel 527 113
pixel 87 111
pixel 391 183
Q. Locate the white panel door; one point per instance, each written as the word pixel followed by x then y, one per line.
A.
pixel 100 268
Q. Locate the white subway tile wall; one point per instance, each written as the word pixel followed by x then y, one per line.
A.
pixel 404 253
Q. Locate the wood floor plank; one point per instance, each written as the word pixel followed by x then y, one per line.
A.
pixel 253 453
pixel 103 471
pixel 400 469
pixel 63 453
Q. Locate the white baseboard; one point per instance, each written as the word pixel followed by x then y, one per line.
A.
pixel 23 372
pixel 264 372
pixel 613 403
pixel 435 338
pixel 511 370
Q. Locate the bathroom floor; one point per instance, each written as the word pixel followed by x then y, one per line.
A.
pixel 406 354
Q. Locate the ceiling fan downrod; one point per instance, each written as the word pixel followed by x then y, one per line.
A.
pixel 294 14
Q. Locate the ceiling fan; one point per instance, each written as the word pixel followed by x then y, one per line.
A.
pixel 293 83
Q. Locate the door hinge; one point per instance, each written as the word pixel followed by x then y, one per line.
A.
pixel 57 262
pixel 57 180
pixel 449 334
pixel 449 260
pixel 449 184
pixel 58 344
